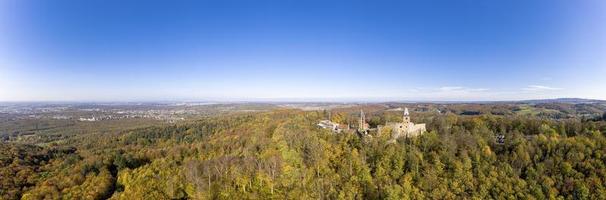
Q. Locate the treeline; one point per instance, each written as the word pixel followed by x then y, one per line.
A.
pixel 283 155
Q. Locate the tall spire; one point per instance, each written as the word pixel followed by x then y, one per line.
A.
pixel 362 120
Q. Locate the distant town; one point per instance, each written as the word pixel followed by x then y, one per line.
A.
pixel 91 112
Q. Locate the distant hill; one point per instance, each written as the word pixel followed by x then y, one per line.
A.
pixel 566 100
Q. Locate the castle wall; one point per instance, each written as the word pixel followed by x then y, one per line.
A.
pixel 407 129
pixel 416 130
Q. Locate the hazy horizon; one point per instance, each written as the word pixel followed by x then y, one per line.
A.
pixel 280 101
pixel 307 51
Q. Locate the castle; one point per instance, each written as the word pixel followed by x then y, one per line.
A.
pixel 399 129
pixel 406 128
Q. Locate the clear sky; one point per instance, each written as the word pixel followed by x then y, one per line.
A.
pixel 122 50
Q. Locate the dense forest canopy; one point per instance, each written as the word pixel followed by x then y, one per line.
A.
pixel 282 154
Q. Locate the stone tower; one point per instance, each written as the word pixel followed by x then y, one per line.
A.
pixel 406 117
pixel 362 120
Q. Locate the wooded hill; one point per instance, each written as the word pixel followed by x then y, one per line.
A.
pixel 282 154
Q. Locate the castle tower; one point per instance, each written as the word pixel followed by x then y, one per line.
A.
pixel 362 120
pixel 406 117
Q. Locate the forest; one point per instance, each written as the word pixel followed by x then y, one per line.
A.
pixel 282 154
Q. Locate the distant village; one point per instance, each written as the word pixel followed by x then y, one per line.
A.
pixel 398 129
pixel 101 113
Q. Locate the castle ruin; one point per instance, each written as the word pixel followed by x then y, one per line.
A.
pixel 399 129
pixel 406 128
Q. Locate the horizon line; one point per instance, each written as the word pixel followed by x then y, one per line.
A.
pixel 294 100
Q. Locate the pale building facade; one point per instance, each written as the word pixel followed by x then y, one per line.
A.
pixel 327 124
pixel 406 128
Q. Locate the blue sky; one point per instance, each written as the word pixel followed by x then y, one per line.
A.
pixel 125 50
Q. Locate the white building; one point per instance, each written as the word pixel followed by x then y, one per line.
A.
pixel 327 124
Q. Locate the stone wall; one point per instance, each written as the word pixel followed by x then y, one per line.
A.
pixel 406 130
